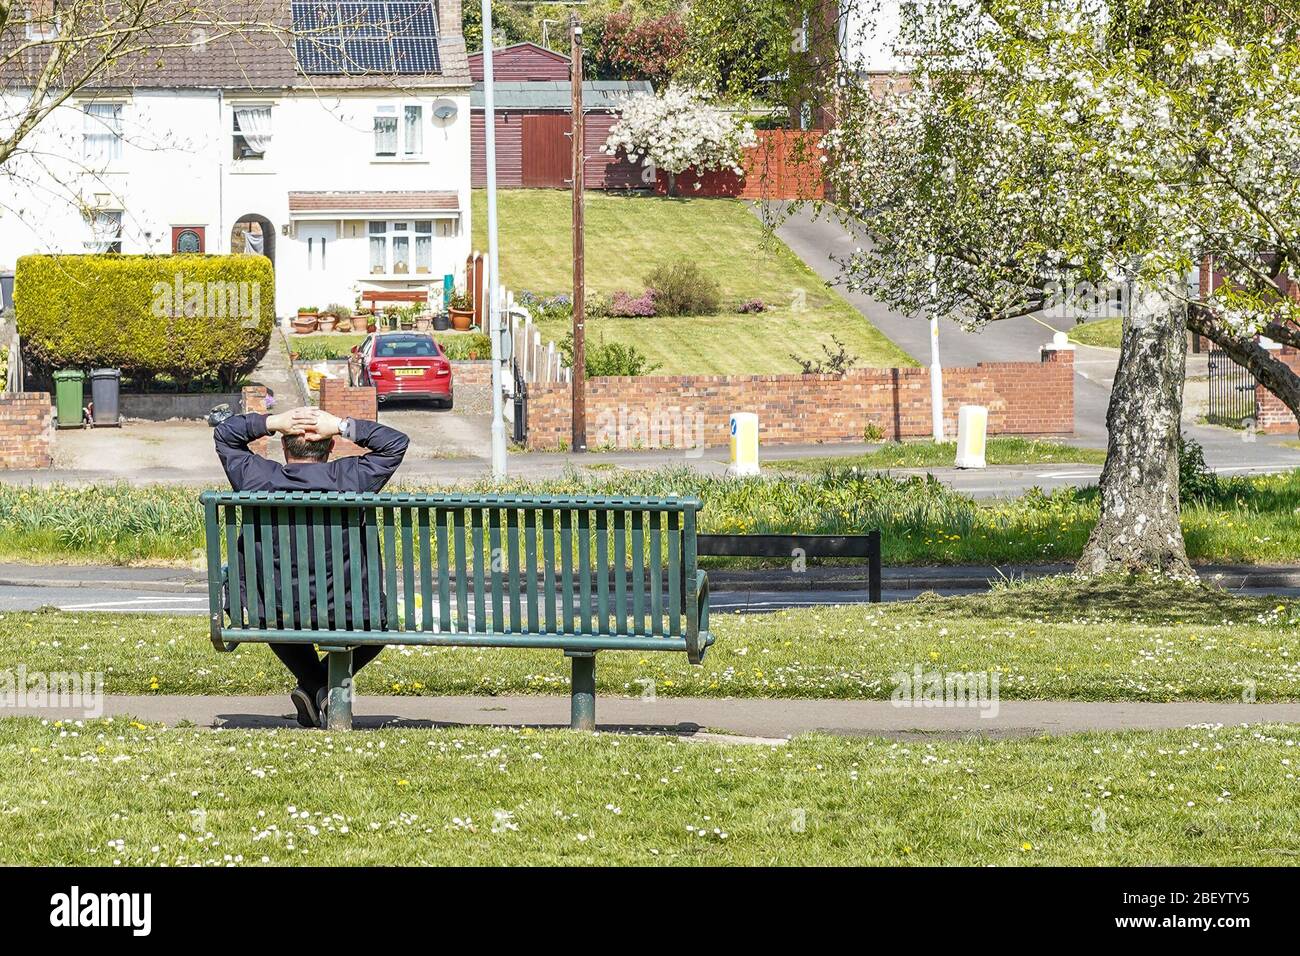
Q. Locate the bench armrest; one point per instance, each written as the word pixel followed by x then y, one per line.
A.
pixel 697 617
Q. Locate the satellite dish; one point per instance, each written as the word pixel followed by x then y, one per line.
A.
pixel 445 111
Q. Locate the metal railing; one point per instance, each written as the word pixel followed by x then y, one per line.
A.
pixel 1232 391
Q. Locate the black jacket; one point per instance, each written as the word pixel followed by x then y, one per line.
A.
pixel 248 471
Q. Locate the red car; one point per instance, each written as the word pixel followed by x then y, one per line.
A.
pixel 402 365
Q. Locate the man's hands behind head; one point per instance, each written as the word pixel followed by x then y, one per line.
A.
pixel 314 424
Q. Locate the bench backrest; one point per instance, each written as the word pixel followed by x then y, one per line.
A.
pixel 474 564
pixel 373 297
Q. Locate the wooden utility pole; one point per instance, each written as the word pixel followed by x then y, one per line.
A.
pixel 579 245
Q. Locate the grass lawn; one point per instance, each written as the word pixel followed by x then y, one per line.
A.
pixel 923 522
pixel 1104 333
pixel 73 796
pixel 928 454
pixel 1047 640
pixel 627 236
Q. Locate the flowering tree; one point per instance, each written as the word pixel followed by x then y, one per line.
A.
pixel 677 129
pixel 1039 151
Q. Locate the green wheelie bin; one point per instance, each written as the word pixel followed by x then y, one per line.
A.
pixel 68 387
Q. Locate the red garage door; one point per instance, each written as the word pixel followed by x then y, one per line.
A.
pixel 548 157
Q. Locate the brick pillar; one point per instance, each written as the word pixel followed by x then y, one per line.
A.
pixel 347 401
pixel 1271 413
pixel 1061 353
pixel 26 430
pixel 255 401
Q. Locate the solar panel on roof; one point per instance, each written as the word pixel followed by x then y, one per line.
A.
pixel 380 36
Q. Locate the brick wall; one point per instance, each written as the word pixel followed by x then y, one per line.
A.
pixel 345 401
pixel 1023 398
pixel 471 374
pixel 1272 415
pixel 255 401
pixel 26 430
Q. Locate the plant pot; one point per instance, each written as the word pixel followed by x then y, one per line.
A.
pixel 327 323
pixel 422 323
pixel 441 323
pixel 308 315
pixel 343 324
pixel 371 327
pixel 304 324
pixel 462 319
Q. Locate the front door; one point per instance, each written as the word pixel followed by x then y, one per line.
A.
pixel 317 241
pixel 187 239
pixel 547 153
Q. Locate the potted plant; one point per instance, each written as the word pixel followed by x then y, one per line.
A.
pixel 306 320
pixel 462 311
pixel 422 321
pixel 441 323
pixel 326 322
pixel 342 315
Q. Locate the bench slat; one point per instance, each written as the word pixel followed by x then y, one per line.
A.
pixel 566 568
pixel 233 561
pixel 284 547
pixel 584 570
pixel 548 568
pixel 372 573
pixel 480 581
pixel 444 579
pixel 674 576
pixel 356 592
pixel 462 576
pixel 656 575
pixel 247 534
pixel 512 570
pixel 638 573
pixel 498 599
pixel 302 567
pixel 266 566
pixel 620 572
pixel 389 560
pixel 408 571
pixel 318 528
pixel 602 572
pixel 530 569
pixel 338 617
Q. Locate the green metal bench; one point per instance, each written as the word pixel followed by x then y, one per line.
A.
pixel 581 575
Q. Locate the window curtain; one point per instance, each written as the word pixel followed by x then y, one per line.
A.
pixel 102 133
pixel 105 230
pixel 414 131
pixel 255 127
pixel 385 135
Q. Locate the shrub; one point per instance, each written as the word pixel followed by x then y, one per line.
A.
pixel 836 363
pixel 473 345
pixel 1196 482
pixel 752 307
pixel 604 359
pixel 623 306
pixel 187 316
pixel 683 288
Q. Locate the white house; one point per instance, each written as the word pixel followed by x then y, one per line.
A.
pixel 340 151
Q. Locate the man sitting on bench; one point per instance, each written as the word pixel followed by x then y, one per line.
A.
pixel 307 437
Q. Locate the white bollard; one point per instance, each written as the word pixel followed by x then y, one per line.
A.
pixel 744 444
pixel 972 430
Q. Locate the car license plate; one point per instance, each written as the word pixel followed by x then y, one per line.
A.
pixel 408 371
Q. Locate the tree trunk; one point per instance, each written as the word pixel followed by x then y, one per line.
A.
pixel 672 184
pixel 1138 528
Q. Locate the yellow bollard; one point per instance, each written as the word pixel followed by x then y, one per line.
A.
pixel 972 430
pixel 744 444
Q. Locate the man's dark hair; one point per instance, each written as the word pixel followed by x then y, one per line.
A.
pixel 298 447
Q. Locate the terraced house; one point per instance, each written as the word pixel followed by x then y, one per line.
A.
pixel 331 137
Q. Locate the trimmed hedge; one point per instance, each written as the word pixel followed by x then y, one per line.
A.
pixel 185 316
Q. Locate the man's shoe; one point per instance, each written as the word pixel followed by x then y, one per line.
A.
pixel 307 708
pixel 322 707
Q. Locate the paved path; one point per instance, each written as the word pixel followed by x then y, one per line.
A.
pixel 773 719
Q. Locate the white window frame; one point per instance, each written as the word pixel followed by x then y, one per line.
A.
pixel 415 229
pixel 254 162
pixel 397 111
pixel 98 219
pixel 115 127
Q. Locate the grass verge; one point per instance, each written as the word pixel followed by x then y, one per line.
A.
pixel 1143 641
pixel 627 236
pixel 1103 333
pixel 1249 520
pixel 1204 796
pixel 928 454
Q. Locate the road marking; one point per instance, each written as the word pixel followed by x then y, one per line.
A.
pixel 144 603
pixel 1067 474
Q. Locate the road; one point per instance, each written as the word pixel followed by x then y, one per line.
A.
pixel 822 243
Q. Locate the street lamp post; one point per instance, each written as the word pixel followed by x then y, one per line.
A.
pixel 494 265
pixel 936 368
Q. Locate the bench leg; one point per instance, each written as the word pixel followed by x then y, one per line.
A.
pixel 339 711
pixel 583 705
